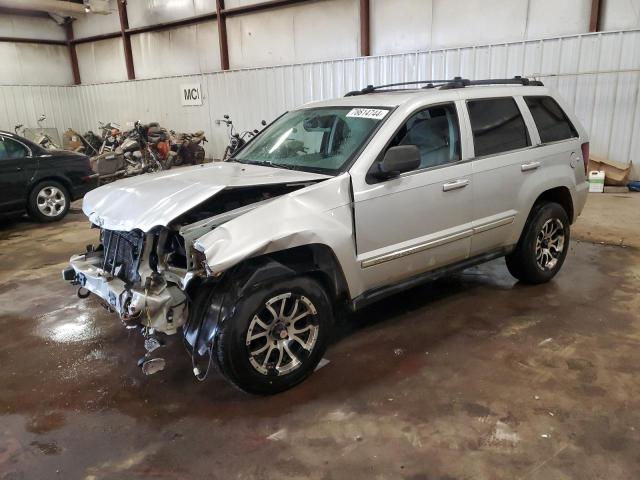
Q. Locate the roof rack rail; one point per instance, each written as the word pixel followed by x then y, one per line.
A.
pixel 455 82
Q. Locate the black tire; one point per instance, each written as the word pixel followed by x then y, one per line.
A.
pixel 43 210
pixel 523 263
pixel 177 160
pixel 233 354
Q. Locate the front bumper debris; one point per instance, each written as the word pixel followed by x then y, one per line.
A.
pixel 155 305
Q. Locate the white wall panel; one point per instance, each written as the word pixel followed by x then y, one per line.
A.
pixel 303 33
pixel 149 12
pixel 24 64
pixel 406 25
pixel 101 61
pixel 477 21
pixel 30 27
pixel 24 104
pixel 239 3
pixel 620 14
pixel 400 26
pixel 598 75
pixel 179 51
pixel 549 18
pixel 97 24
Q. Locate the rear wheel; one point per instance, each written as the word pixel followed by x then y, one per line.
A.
pixel 543 245
pixel 49 201
pixel 275 336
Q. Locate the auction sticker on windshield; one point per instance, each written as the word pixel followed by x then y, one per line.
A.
pixel 373 113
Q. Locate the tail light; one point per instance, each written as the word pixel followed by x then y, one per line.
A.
pixel 585 157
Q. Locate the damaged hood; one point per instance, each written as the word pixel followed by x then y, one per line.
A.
pixel 151 200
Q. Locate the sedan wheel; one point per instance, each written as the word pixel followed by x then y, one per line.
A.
pixel 51 201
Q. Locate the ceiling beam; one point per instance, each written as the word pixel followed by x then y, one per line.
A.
pixel 46 6
pixel 96 38
pixel 39 41
pixel 176 23
pixel 596 12
pixel 23 11
pixel 126 38
pixel 256 7
pixel 365 39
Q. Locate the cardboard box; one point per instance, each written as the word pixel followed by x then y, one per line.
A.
pixel 616 174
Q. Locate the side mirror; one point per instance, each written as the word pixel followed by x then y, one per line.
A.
pixel 263 123
pixel 397 160
pixel 226 117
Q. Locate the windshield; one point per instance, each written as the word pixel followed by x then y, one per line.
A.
pixel 317 139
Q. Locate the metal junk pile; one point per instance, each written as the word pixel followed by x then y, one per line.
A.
pixel 145 148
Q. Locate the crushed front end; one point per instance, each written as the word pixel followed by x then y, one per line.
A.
pixel 140 276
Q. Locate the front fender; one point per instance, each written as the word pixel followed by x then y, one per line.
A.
pixel 319 214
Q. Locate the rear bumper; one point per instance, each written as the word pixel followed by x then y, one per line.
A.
pixel 580 199
pixel 79 190
pixel 152 306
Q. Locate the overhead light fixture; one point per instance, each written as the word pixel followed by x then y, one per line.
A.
pixel 97 6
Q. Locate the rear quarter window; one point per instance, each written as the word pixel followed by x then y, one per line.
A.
pixel 552 123
pixel 497 126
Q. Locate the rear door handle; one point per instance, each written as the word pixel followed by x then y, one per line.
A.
pixel 525 167
pixel 463 182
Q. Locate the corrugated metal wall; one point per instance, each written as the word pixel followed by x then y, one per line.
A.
pixel 598 74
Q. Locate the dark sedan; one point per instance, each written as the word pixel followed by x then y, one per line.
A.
pixel 40 182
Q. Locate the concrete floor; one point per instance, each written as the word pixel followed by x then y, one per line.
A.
pixel 470 377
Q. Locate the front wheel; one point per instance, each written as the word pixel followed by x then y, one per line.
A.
pixel 275 336
pixel 543 245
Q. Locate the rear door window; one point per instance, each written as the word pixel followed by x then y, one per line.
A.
pixel 497 126
pixel 553 124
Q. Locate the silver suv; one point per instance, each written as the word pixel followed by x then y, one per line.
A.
pixel 335 204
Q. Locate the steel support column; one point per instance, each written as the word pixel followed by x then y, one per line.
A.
pixel 594 22
pixel 126 38
pixel 73 56
pixel 365 43
pixel 222 35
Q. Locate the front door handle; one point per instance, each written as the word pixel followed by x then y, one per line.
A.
pixel 463 182
pixel 526 167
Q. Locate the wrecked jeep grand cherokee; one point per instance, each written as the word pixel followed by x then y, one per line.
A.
pixel 337 203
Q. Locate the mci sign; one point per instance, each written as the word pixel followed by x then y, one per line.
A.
pixel 190 94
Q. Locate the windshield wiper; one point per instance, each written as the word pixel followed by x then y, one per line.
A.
pixel 281 165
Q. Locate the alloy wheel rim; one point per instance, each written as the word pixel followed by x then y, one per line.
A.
pixel 282 334
pixel 549 244
pixel 51 201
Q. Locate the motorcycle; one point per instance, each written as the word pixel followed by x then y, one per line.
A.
pixel 42 139
pixel 236 140
pixel 137 154
pixel 91 141
pixel 158 145
pixel 72 140
pixel 111 137
pixel 188 147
